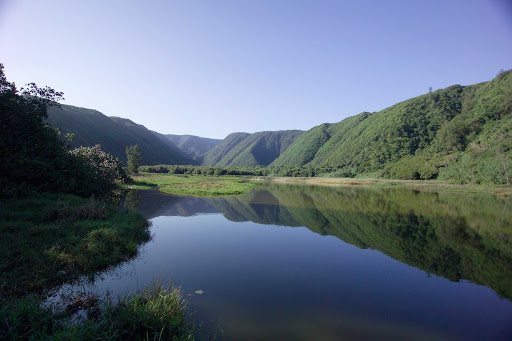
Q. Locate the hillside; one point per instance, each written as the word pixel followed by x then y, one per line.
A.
pixel 248 150
pixel 442 134
pixel 91 127
pixel 193 146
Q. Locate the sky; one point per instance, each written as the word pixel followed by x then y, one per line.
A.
pixel 210 68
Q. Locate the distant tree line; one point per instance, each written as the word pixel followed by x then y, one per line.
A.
pixel 295 171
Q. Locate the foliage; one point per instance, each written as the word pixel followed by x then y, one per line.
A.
pixel 448 133
pixel 193 146
pixel 51 239
pixel 250 150
pixel 31 154
pixel 34 158
pixel 206 170
pixel 97 172
pixel 133 156
pixel 91 127
pixel 154 313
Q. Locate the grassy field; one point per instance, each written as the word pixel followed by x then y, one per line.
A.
pixel 48 240
pixel 201 185
pixel 195 185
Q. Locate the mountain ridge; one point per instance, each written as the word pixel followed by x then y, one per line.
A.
pixel 460 133
pixel 250 150
pixel 435 135
pixel 114 134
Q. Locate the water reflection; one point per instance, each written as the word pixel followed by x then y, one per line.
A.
pixel 458 237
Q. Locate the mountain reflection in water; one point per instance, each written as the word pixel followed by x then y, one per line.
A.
pixel 458 237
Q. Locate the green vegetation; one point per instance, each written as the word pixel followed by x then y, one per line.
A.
pixel 193 146
pixel 451 235
pixel 250 150
pixel 195 185
pixel 206 170
pixel 48 239
pixel 462 134
pixel 33 158
pixel 114 134
pixel 133 156
pixel 155 313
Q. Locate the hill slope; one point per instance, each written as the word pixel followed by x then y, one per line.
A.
pixel 440 134
pixel 91 127
pixel 193 146
pixel 248 150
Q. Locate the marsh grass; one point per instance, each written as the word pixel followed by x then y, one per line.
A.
pixel 51 239
pixel 154 313
pixel 48 240
pixel 195 185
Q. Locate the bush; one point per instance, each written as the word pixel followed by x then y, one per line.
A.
pixel 96 172
pixel 34 158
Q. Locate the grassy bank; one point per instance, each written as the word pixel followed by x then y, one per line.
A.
pixel 154 313
pixel 195 185
pixel 50 239
pixel 420 185
pixel 204 185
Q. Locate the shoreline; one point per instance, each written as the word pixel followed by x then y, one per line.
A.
pixel 420 185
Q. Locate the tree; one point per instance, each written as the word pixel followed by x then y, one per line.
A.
pixel 31 153
pixel 33 157
pixel 134 157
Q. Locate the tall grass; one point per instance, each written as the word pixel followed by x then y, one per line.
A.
pixel 154 313
pixel 48 240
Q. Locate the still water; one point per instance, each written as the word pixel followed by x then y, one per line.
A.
pixel 322 263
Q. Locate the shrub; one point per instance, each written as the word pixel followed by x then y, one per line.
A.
pixel 33 158
pixel 96 172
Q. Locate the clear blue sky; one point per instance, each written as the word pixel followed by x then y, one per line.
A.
pixel 210 68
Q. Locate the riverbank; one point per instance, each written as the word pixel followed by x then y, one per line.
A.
pixel 205 185
pixel 420 185
pixel 52 239
pixel 194 185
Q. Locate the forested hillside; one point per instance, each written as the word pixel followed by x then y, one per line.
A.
pixel 193 146
pixel 249 150
pixel 91 127
pixel 462 133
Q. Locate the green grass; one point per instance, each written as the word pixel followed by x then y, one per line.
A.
pixel 194 185
pixel 48 240
pixel 51 239
pixel 154 313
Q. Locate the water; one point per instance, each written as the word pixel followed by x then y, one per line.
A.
pixel 321 263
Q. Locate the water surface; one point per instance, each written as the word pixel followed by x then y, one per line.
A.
pixel 325 263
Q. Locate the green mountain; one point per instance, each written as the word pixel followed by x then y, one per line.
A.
pixel 248 150
pixel 442 134
pixel 91 127
pixel 193 146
